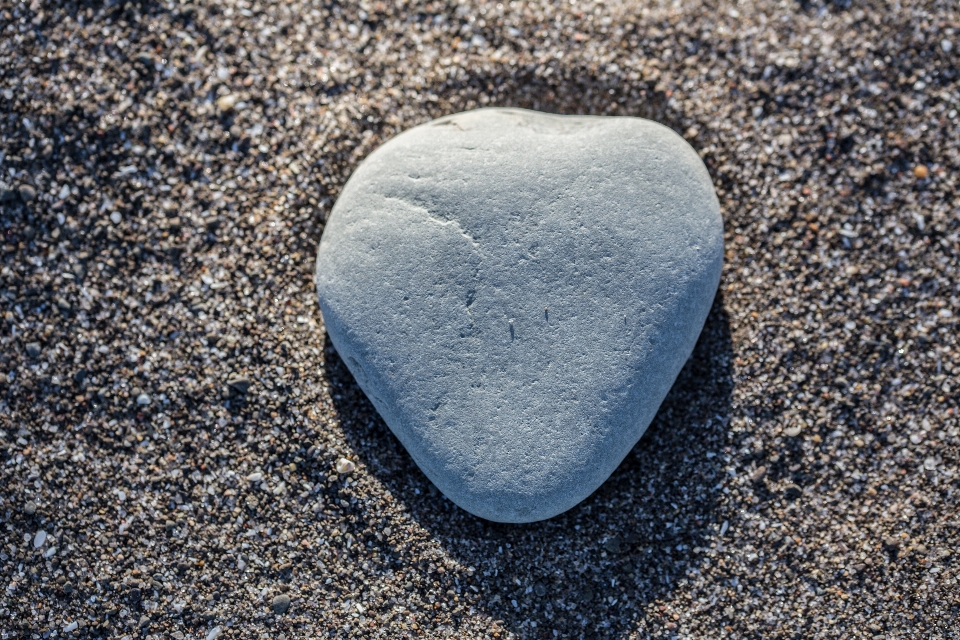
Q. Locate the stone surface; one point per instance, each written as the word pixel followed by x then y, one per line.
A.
pixel 516 292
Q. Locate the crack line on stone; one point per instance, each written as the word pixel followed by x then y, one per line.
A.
pixel 445 223
pixel 435 219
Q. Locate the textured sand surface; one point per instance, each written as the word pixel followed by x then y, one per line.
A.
pixel 172 417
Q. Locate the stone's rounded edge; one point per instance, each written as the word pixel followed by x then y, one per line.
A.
pixel 508 513
pixel 716 214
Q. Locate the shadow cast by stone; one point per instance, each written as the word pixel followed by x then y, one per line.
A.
pixel 630 542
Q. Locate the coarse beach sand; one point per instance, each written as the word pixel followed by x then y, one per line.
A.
pixel 172 416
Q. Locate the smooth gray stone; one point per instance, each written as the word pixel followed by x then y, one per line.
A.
pixel 516 292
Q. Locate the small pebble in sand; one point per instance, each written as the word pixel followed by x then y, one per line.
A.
pixel 39 539
pixel 27 193
pixel 920 172
pixel 280 603
pixel 227 102
pixel 239 384
pixel 345 466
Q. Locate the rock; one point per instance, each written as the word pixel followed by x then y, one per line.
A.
pixel 30 508
pixel 239 384
pixel 27 193
pixel 891 543
pixel 143 399
pixel 227 102
pixel 613 545
pixel 280 603
pixel 33 349
pixel 147 59
pixel 793 432
pixel 516 292
pixel 345 466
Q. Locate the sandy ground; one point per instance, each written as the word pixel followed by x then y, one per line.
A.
pixel 172 414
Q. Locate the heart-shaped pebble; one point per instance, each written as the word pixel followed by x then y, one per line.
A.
pixel 516 292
